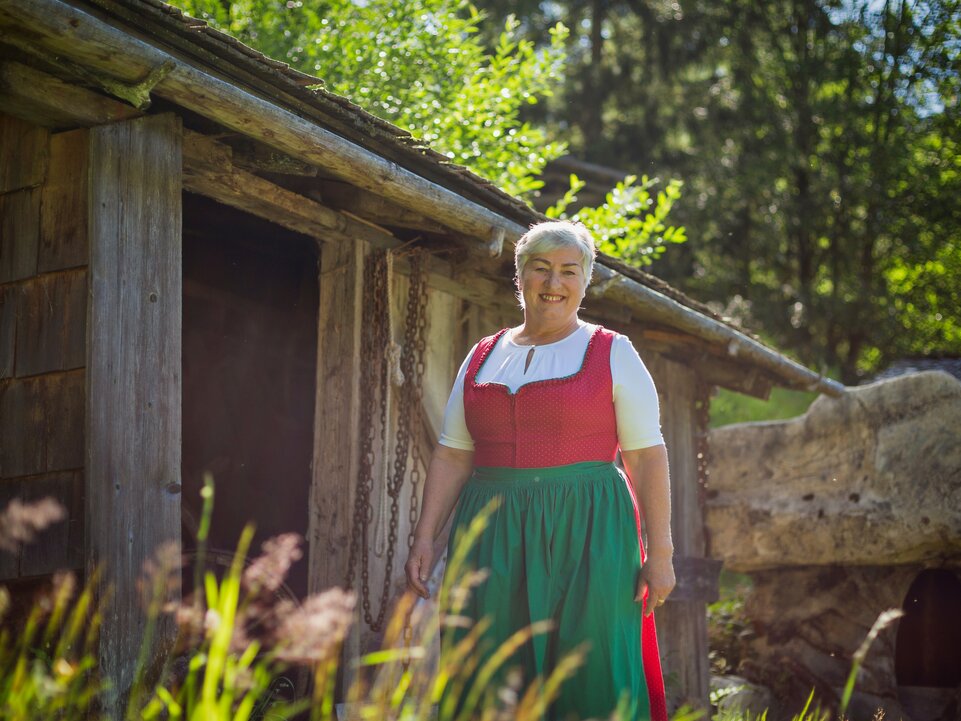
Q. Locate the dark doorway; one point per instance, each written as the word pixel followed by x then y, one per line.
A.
pixel 249 374
pixel 928 646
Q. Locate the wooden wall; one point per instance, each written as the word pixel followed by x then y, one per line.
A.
pixel 43 312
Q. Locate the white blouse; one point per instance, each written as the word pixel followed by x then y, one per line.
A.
pixel 635 398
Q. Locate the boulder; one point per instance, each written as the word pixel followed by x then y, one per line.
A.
pixel 872 477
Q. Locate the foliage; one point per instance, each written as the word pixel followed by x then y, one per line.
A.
pixel 727 624
pixel 630 224
pixel 819 147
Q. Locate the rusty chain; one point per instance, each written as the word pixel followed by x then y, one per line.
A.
pixel 374 390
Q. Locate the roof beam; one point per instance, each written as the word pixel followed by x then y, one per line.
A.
pixel 46 100
pixel 647 305
pixel 208 170
pixel 85 40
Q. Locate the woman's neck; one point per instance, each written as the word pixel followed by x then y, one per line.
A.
pixel 535 333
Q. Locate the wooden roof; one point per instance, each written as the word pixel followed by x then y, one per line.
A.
pixel 145 51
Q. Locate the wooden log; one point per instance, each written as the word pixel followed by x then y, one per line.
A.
pixel 63 211
pixel 19 234
pixel 42 421
pixel 337 413
pixel 134 362
pixel 23 154
pixel 51 333
pixel 50 102
pixel 682 624
pixel 648 305
pixel 372 207
pixel 209 171
pixel 85 40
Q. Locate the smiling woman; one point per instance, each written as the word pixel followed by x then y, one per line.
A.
pixel 536 418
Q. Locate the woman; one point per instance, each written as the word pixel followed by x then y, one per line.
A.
pixel 536 417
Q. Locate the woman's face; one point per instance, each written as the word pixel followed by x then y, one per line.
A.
pixel 553 284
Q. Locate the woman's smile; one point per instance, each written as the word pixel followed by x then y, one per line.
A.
pixel 553 282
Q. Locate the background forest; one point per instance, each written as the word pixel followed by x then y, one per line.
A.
pixel 808 149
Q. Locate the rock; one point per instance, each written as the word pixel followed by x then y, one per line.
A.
pixel 740 697
pixel 808 623
pixel 872 477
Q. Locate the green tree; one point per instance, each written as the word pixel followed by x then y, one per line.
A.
pixel 816 141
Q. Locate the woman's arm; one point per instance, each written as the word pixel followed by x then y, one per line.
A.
pixel 448 471
pixel 648 471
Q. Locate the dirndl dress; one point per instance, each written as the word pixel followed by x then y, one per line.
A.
pixel 564 543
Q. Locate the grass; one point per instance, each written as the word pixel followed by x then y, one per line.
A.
pixel 236 636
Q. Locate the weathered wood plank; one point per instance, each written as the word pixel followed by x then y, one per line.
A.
pixel 23 154
pixel 21 443
pixel 60 546
pixel 19 234
pixel 42 422
pixel 63 208
pixel 9 305
pixel 48 101
pixel 52 327
pixel 63 423
pixel 336 414
pixel 134 369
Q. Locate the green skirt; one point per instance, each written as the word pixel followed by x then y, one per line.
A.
pixel 561 546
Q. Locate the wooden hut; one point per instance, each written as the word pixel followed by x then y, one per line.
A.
pixel 184 230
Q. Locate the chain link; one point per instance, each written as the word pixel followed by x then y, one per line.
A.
pixel 375 389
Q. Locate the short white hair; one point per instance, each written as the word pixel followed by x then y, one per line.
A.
pixel 551 235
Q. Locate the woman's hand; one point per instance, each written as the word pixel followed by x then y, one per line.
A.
pixel 657 579
pixel 448 470
pixel 419 565
pixel 647 469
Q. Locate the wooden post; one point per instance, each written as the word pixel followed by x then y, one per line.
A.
pixel 134 372
pixel 682 624
pixel 336 413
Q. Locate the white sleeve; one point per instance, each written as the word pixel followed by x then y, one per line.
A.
pixel 635 398
pixel 454 432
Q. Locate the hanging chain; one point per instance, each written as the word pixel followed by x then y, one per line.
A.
pixel 376 375
pixel 418 286
pixel 373 370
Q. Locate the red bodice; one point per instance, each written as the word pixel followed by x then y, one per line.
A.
pixel 551 422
